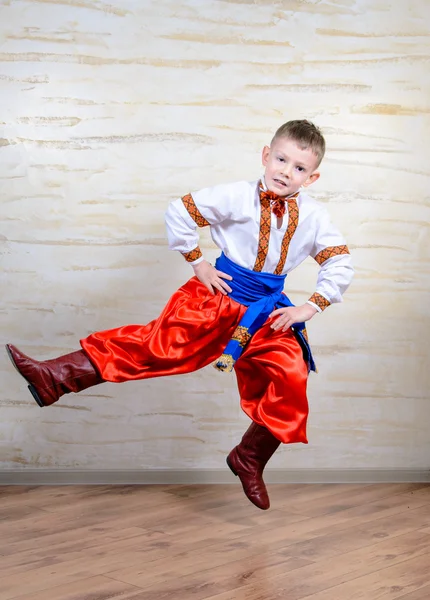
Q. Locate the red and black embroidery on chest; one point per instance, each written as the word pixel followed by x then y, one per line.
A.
pixel 264 236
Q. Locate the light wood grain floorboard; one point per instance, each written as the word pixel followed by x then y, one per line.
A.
pixel 184 542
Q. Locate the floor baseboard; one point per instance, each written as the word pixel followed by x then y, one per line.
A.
pixel 208 476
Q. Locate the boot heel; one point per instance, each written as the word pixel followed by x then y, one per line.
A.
pixel 230 467
pixel 35 395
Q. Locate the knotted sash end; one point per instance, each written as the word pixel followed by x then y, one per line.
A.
pixel 224 363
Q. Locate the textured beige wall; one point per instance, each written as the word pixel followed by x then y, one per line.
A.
pixel 108 111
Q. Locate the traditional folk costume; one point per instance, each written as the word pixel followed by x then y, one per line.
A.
pixel 262 238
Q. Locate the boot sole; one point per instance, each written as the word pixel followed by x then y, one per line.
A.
pixel 30 386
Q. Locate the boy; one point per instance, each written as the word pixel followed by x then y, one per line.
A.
pixel 233 313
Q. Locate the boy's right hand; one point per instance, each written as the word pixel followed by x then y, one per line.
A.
pixel 212 278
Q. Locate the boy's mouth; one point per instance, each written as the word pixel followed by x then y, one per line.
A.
pixel 279 182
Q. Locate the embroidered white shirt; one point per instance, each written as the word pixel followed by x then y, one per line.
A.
pixel 233 213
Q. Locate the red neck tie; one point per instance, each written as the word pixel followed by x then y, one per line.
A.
pixel 277 202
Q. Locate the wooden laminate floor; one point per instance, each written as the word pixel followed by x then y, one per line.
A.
pixel 170 542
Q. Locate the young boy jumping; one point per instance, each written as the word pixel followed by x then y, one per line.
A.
pixel 234 314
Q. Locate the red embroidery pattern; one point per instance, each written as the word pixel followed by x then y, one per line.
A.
pixel 266 198
pixel 193 211
pixel 192 255
pixel 241 335
pixel 319 300
pixel 263 242
pixel 293 221
pixel 329 252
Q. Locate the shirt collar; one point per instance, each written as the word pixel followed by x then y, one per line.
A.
pixel 264 186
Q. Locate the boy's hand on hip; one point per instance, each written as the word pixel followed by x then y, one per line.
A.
pixel 212 278
pixel 290 315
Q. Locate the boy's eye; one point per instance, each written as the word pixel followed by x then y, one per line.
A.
pixel 301 169
pixel 281 159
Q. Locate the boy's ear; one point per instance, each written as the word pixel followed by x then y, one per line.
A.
pixel 310 180
pixel 265 155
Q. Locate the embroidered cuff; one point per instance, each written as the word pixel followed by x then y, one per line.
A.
pixel 319 302
pixel 193 255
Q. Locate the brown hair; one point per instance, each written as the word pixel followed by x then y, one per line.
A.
pixel 306 134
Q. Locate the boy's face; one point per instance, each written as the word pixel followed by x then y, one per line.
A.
pixel 288 167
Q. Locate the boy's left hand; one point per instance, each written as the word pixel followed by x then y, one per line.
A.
pixel 291 315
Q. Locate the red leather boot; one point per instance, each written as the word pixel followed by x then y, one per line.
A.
pixel 50 379
pixel 248 459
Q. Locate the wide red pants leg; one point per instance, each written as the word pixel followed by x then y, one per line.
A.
pixel 191 332
pixel 272 379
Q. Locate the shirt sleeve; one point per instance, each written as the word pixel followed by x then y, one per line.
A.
pixel 200 209
pixel 336 271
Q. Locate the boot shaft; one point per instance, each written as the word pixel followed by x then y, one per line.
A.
pixel 259 443
pixel 72 372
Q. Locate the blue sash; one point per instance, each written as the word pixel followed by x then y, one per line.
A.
pixel 261 293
